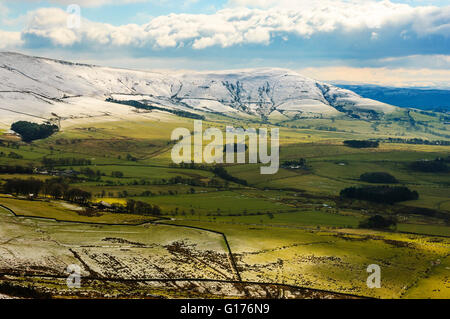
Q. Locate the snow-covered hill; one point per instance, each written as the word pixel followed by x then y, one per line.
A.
pixel 41 88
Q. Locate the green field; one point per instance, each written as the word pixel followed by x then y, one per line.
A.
pixel 288 228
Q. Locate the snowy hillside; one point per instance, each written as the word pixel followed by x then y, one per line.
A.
pixel 41 88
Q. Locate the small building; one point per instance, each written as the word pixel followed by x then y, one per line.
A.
pixel 105 204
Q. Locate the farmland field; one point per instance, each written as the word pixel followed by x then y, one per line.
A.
pixel 217 237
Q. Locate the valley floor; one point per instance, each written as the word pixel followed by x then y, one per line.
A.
pixel 289 235
pixel 328 262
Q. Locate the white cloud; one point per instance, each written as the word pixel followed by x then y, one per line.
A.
pixel 236 26
pixel 10 40
pixel 258 35
pixel 397 77
pixel 433 61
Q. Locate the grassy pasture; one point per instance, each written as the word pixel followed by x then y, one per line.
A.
pixel 311 219
pixel 435 284
pixel 223 202
pixel 66 212
pixel 309 245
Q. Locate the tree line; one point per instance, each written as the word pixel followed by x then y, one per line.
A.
pixel 56 188
pixel 218 170
pixel 378 222
pixel 15 169
pixel 13 155
pixel 380 194
pixel 10 144
pixel 361 144
pixel 138 207
pixel 418 141
pixel 222 173
pixel 213 182
pixel 69 161
pixel 435 166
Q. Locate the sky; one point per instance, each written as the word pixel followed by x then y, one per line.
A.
pixel 383 42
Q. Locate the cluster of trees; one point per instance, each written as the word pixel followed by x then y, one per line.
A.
pixel 438 165
pixel 361 144
pixel 378 178
pixel 56 188
pixel 192 182
pixel 9 144
pixel 143 106
pixel 13 155
pixel 222 173
pixel 300 162
pixel 16 169
pixel 327 128
pixel 147 193
pixel 91 174
pixel 418 141
pixel 380 194
pixel 78 196
pixel 117 174
pixel 213 182
pixel 23 186
pixel 141 208
pixel 69 161
pixel 131 158
pixel 191 166
pixel 32 131
pixel 62 141
pixel 378 222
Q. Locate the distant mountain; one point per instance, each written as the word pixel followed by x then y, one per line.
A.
pixel 40 88
pixel 425 99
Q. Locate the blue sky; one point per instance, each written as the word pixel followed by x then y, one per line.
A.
pixel 388 42
pixel 136 12
pixel 120 13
